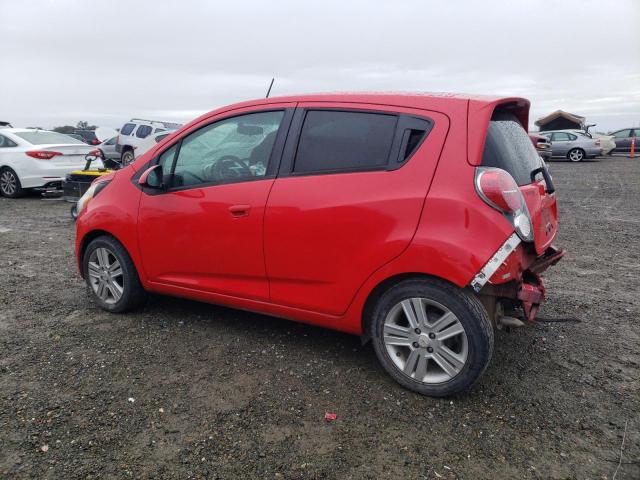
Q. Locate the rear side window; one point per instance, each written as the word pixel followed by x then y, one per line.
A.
pixel 127 128
pixel 508 147
pixel 337 141
pixel 143 131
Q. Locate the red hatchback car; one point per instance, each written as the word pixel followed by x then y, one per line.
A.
pixel 418 221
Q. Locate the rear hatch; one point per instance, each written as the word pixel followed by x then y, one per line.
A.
pixel 508 147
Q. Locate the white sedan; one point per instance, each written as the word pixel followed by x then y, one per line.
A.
pixel 37 159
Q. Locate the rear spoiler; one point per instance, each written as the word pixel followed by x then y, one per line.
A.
pixel 478 118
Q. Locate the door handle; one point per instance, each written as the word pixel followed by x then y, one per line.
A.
pixel 239 210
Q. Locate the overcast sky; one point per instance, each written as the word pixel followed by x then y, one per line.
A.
pixel 105 61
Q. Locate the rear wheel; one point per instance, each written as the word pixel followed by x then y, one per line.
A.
pixel 432 337
pixel 576 155
pixel 127 157
pixel 74 211
pixel 111 277
pixel 10 186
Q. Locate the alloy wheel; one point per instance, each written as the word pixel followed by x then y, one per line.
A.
pixel 106 276
pixel 576 155
pixel 425 340
pixel 8 183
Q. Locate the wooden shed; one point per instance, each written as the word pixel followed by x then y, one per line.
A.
pixel 560 120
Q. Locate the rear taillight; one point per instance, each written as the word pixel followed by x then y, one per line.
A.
pixel 42 154
pixel 500 191
pixel 117 139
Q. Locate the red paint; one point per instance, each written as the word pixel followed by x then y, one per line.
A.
pixel 312 248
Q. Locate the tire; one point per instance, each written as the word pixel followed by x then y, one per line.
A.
pixel 10 185
pixel 127 157
pixel 105 280
pixel 74 211
pixel 400 348
pixel 576 155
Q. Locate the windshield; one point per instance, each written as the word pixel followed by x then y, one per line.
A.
pixel 508 147
pixel 43 137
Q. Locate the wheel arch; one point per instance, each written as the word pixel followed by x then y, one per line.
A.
pixel 378 290
pixel 88 238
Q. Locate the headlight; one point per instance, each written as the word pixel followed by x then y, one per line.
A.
pixel 92 191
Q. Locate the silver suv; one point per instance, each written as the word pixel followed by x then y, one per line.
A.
pixel 135 131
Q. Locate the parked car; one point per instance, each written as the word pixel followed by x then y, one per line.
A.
pixel 572 145
pixel 88 136
pixel 37 159
pixel 311 208
pixel 5 125
pixel 75 137
pixel 622 139
pixel 542 145
pixel 607 142
pixel 149 142
pixel 135 131
pixel 108 149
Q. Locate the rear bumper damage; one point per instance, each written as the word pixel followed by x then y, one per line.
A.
pixel 513 274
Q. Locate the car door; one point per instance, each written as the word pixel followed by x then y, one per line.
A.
pixel 623 140
pixel 204 231
pixel 561 144
pixel 347 200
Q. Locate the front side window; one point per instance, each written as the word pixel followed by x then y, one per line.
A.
pixel 231 150
pixel 127 128
pixel 143 131
pixel 622 134
pixel 561 137
pixel 338 140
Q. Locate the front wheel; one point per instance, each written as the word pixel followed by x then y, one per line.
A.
pixel 10 186
pixel 576 155
pixel 111 277
pixel 432 337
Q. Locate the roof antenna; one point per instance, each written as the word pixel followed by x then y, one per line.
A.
pixel 270 85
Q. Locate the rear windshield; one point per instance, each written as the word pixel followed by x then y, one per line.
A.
pixel 508 147
pixel 41 137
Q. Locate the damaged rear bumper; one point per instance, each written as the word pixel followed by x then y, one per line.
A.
pixel 514 274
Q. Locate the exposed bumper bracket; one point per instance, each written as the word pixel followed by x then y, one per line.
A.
pixel 494 263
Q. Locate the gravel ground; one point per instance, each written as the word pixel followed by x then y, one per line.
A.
pixel 187 390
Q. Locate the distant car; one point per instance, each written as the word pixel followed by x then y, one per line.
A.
pixel 542 144
pixel 37 159
pixel 622 139
pixel 606 141
pixel 135 131
pixel 149 142
pixel 88 136
pixel 572 145
pixel 77 137
pixel 5 125
pixel 108 149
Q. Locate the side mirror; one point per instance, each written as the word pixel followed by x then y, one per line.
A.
pixel 152 177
